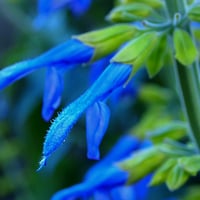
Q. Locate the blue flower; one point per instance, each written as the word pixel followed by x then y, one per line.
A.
pixel 57 60
pixel 105 179
pixel 46 7
pixel 98 115
pixel 115 76
pixel 68 53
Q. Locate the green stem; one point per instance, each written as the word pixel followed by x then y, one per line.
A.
pixel 187 82
pixel 189 97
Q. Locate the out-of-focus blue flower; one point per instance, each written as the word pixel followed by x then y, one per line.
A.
pixel 47 7
pixel 56 61
pixel 115 75
pixel 105 180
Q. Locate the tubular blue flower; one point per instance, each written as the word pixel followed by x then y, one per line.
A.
pixel 97 116
pixel 115 75
pixel 105 179
pixel 68 53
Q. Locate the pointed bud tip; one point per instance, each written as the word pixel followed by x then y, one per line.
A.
pixel 42 163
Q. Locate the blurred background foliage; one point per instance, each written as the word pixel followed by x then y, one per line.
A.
pixel 22 128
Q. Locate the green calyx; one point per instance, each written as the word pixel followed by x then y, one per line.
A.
pixel 138 50
pixel 107 40
pixel 130 12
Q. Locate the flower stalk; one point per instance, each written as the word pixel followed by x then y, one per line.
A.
pixel 187 83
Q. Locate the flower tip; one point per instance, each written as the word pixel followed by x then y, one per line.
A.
pixel 42 163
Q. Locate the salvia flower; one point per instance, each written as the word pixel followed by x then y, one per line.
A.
pixel 115 76
pixel 56 60
pixel 98 115
pixel 68 53
pixel 106 179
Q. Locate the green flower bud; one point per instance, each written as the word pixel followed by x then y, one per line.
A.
pixel 129 13
pixel 152 3
pixel 107 40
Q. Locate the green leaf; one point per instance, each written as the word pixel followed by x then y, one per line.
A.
pixel 138 50
pixel 173 130
pixel 129 13
pixel 185 50
pixel 157 58
pixel 152 3
pixel 107 40
pixel 162 172
pixel 142 163
pixel 191 164
pixel 194 13
pixel 176 177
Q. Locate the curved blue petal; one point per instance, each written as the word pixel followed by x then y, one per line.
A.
pixel 52 92
pixel 97 120
pixel 113 77
pixel 70 52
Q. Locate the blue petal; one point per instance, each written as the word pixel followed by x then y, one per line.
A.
pixel 16 71
pixel 108 178
pixel 70 52
pixel 113 77
pixel 52 92
pixel 97 119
